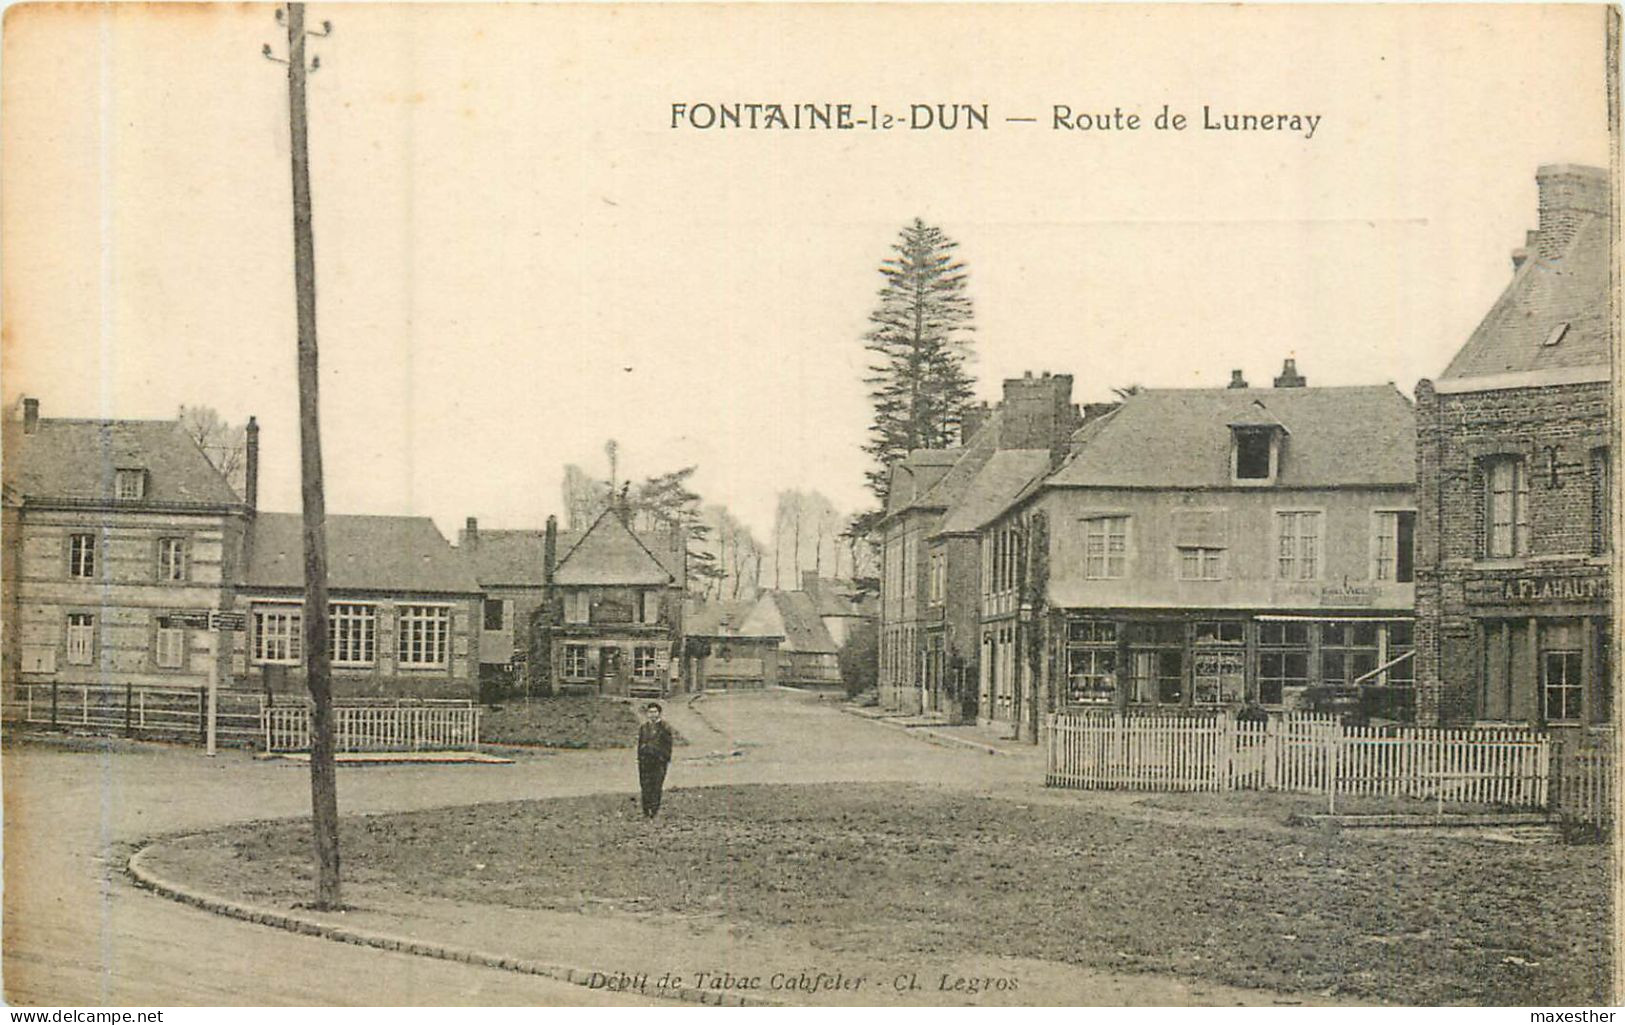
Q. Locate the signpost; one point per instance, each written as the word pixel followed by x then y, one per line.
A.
pixel 212 621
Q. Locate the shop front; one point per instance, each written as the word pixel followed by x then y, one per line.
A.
pixel 1543 647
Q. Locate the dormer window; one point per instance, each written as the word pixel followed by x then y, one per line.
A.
pixel 129 483
pixel 1255 453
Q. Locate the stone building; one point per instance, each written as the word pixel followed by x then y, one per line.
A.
pixel 1206 549
pixel 1515 463
pixel 119 534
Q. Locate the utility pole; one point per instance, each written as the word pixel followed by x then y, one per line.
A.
pixel 318 661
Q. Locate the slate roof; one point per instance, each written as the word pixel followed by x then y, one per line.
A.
pixel 1181 438
pixel 803 629
pixel 733 619
pixel 610 554
pixel 827 597
pixel 1571 288
pixel 511 557
pixel 1002 479
pixel 399 554
pixel 76 459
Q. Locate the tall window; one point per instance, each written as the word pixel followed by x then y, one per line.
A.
pixel 1506 507
pixel 643 662
pixel 1105 547
pixel 493 619
pixel 939 577
pixel 575 662
pixel 1561 684
pixel 577 606
pixel 1395 546
pixel 169 644
pixel 423 632
pixel 651 606
pixel 1197 563
pixel 278 634
pixel 1091 661
pixel 82 556
pixel 1602 502
pixel 81 639
pixel 1297 545
pixel 1218 662
pixel 352 641
pixel 129 483
pixel 1283 659
pixel 171 559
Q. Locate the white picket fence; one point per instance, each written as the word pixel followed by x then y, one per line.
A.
pixel 440 726
pixel 1306 754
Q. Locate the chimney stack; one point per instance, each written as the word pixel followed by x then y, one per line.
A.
pixel 471 532
pixel 972 420
pixel 1236 380
pixel 1569 194
pixel 1290 378
pixel 30 415
pixel 251 465
pixel 1037 412
pixel 550 550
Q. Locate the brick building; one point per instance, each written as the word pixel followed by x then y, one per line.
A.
pixel 929 562
pixel 1515 462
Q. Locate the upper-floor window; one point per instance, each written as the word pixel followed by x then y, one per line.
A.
pixel 1254 452
pixel 1506 507
pixel 1297 535
pixel 423 633
pixel 171 559
pixel 1199 563
pixel 651 606
pixel 1602 502
pixel 493 618
pixel 1394 546
pixel 82 556
pixel 577 606
pixel 939 578
pixel 1105 547
pixel 129 483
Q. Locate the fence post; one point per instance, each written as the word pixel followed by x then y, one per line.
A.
pixel 54 686
pixel 203 715
pixel 1334 766
pixel 129 709
pixel 1227 740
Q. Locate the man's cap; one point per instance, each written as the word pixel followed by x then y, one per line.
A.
pixel 655 705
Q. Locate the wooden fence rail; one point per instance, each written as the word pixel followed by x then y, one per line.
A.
pixel 1310 754
pixel 377 728
pixel 169 713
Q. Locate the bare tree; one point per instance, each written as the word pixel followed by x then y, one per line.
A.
pixel 225 444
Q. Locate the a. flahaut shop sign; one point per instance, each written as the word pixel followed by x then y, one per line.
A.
pixel 1539 590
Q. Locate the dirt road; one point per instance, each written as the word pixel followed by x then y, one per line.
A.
pixel 76 932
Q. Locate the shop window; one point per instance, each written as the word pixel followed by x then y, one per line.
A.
pixel 1506 507
pixel 1218 662
pixel 1157 676
pixel 1091 675
pixel 1348 653
pixel 1283 660
pixel 575 663
pixel 1229 631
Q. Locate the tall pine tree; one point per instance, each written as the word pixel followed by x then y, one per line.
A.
pixel 920 337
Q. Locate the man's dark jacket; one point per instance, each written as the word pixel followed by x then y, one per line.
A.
pixel 654 740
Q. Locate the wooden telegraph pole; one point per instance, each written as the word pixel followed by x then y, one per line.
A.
pixel 318 662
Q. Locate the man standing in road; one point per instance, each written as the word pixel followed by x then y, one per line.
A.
pixel 654 754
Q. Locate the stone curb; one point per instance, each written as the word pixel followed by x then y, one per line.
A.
pixel 930 736
pixel 148 880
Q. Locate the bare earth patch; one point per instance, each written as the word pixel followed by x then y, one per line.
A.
pixel 854 868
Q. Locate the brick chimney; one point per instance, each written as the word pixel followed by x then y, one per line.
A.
pixel 1290 378
pixel 471 532
pixel 1037 412
pixel 1236 380
pixel 30 415
pixel 550 550
pixel 1569 194
pixel 251 465
pixel 972 420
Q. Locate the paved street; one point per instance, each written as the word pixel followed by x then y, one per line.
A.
pixel 76 932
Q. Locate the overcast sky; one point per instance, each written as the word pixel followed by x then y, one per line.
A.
pixel 519 258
